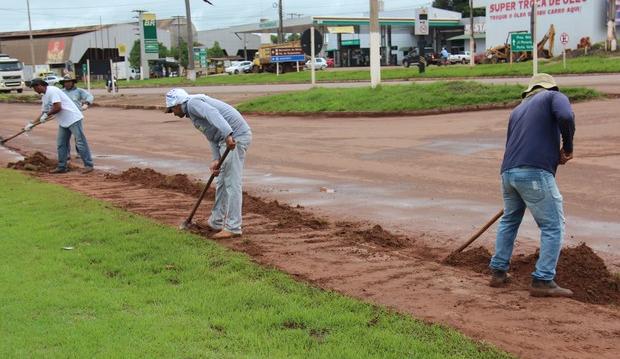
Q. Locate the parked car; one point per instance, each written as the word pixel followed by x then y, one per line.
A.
pixel 463 57
pixel 319 63
pixel 431 59
pixel 330 62
pixel 238 67
pixel 52 79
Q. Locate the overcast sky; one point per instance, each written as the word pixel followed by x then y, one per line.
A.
pixel 67 13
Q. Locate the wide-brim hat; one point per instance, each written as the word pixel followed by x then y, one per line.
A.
pixel 67 78
pixel 545 81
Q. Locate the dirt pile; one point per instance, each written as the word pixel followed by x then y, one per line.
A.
pixel 376 235
pixel 475 258
pixel 153 179
pixel 36 162
pixel 579 269
pixel 287 216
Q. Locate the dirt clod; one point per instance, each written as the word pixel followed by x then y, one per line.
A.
pixel 579 269
pixel 376 235
pixel 37 162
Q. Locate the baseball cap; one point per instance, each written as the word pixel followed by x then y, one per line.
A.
pixel 37 81
pixel 540 80
pixel 175 97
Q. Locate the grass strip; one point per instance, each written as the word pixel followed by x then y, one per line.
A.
pixel 394 98
pixel 579 65
pixel 132 288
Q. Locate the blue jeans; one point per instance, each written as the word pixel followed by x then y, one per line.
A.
pixel 226 212
pixel 62 144
pixel 537 190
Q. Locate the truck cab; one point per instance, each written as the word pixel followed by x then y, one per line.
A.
pixel 11 74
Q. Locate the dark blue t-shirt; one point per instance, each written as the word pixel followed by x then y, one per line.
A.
pixel 535 129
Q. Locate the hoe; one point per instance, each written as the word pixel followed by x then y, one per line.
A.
pixel 188 221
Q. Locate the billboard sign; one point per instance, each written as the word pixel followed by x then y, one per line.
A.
pixel 149 26
pixel 55 51
pixel 200 57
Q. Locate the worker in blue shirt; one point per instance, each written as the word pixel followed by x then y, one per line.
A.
pixel 540 137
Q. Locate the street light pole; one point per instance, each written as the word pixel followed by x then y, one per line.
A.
pixel 472 40
pixel 375 41
pixel 191 73
pixel 534 43
pixel 31 41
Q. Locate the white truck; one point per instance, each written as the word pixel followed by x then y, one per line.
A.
pixel 11 74
pixel 463 57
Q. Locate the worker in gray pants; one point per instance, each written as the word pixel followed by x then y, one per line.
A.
pixel 224 127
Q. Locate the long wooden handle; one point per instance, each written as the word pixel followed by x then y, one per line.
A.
pixel 35 124
pixel 479 233
pixel 204 191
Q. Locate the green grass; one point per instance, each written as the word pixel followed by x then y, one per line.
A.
pixel 18 98
pixel 579 65
pixel 410 97
pixel 132 288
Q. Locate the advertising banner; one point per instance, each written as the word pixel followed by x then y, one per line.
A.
pixel 577 18
pixel 55 51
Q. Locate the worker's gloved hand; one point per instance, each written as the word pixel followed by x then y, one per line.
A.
pixel 230 142
pixel 28 127
pixel 84 106
pixel 43 118
pixel 215 167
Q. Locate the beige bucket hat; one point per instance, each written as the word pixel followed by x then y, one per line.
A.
pixel 540 80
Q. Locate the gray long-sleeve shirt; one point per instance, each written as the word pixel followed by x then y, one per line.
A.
pixel 79 96
pixel 215 119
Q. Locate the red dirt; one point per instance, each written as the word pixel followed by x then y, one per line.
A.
pixel 37 162
pixel 152 179
pixel 579 269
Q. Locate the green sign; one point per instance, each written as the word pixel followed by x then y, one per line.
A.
pixel 521 41
pixel 354 42
pixel 200 57
pixel 149 26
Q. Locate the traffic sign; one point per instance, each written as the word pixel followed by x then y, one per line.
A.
pixel 421 21
pixel 288 58
pixel 305 42
pixel 521 41
pixel 564 38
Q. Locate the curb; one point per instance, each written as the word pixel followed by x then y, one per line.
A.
pixel 350 114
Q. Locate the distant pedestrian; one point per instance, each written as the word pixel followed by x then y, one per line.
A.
pixel 444 56
pixel 224 127
pixel 55 102
pixel 540 136
pixel 80 97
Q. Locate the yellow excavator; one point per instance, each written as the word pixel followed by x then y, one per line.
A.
pixel 501 53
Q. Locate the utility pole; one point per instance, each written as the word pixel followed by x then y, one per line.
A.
pixel 280 24
pixel 191 73
pixel 178 20
pixel 375 41
pixel 611 26
pixel 534 44
pixel 31 41
pixel 144 64
pixel 472 40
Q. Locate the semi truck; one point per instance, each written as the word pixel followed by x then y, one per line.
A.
pixel 11 74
